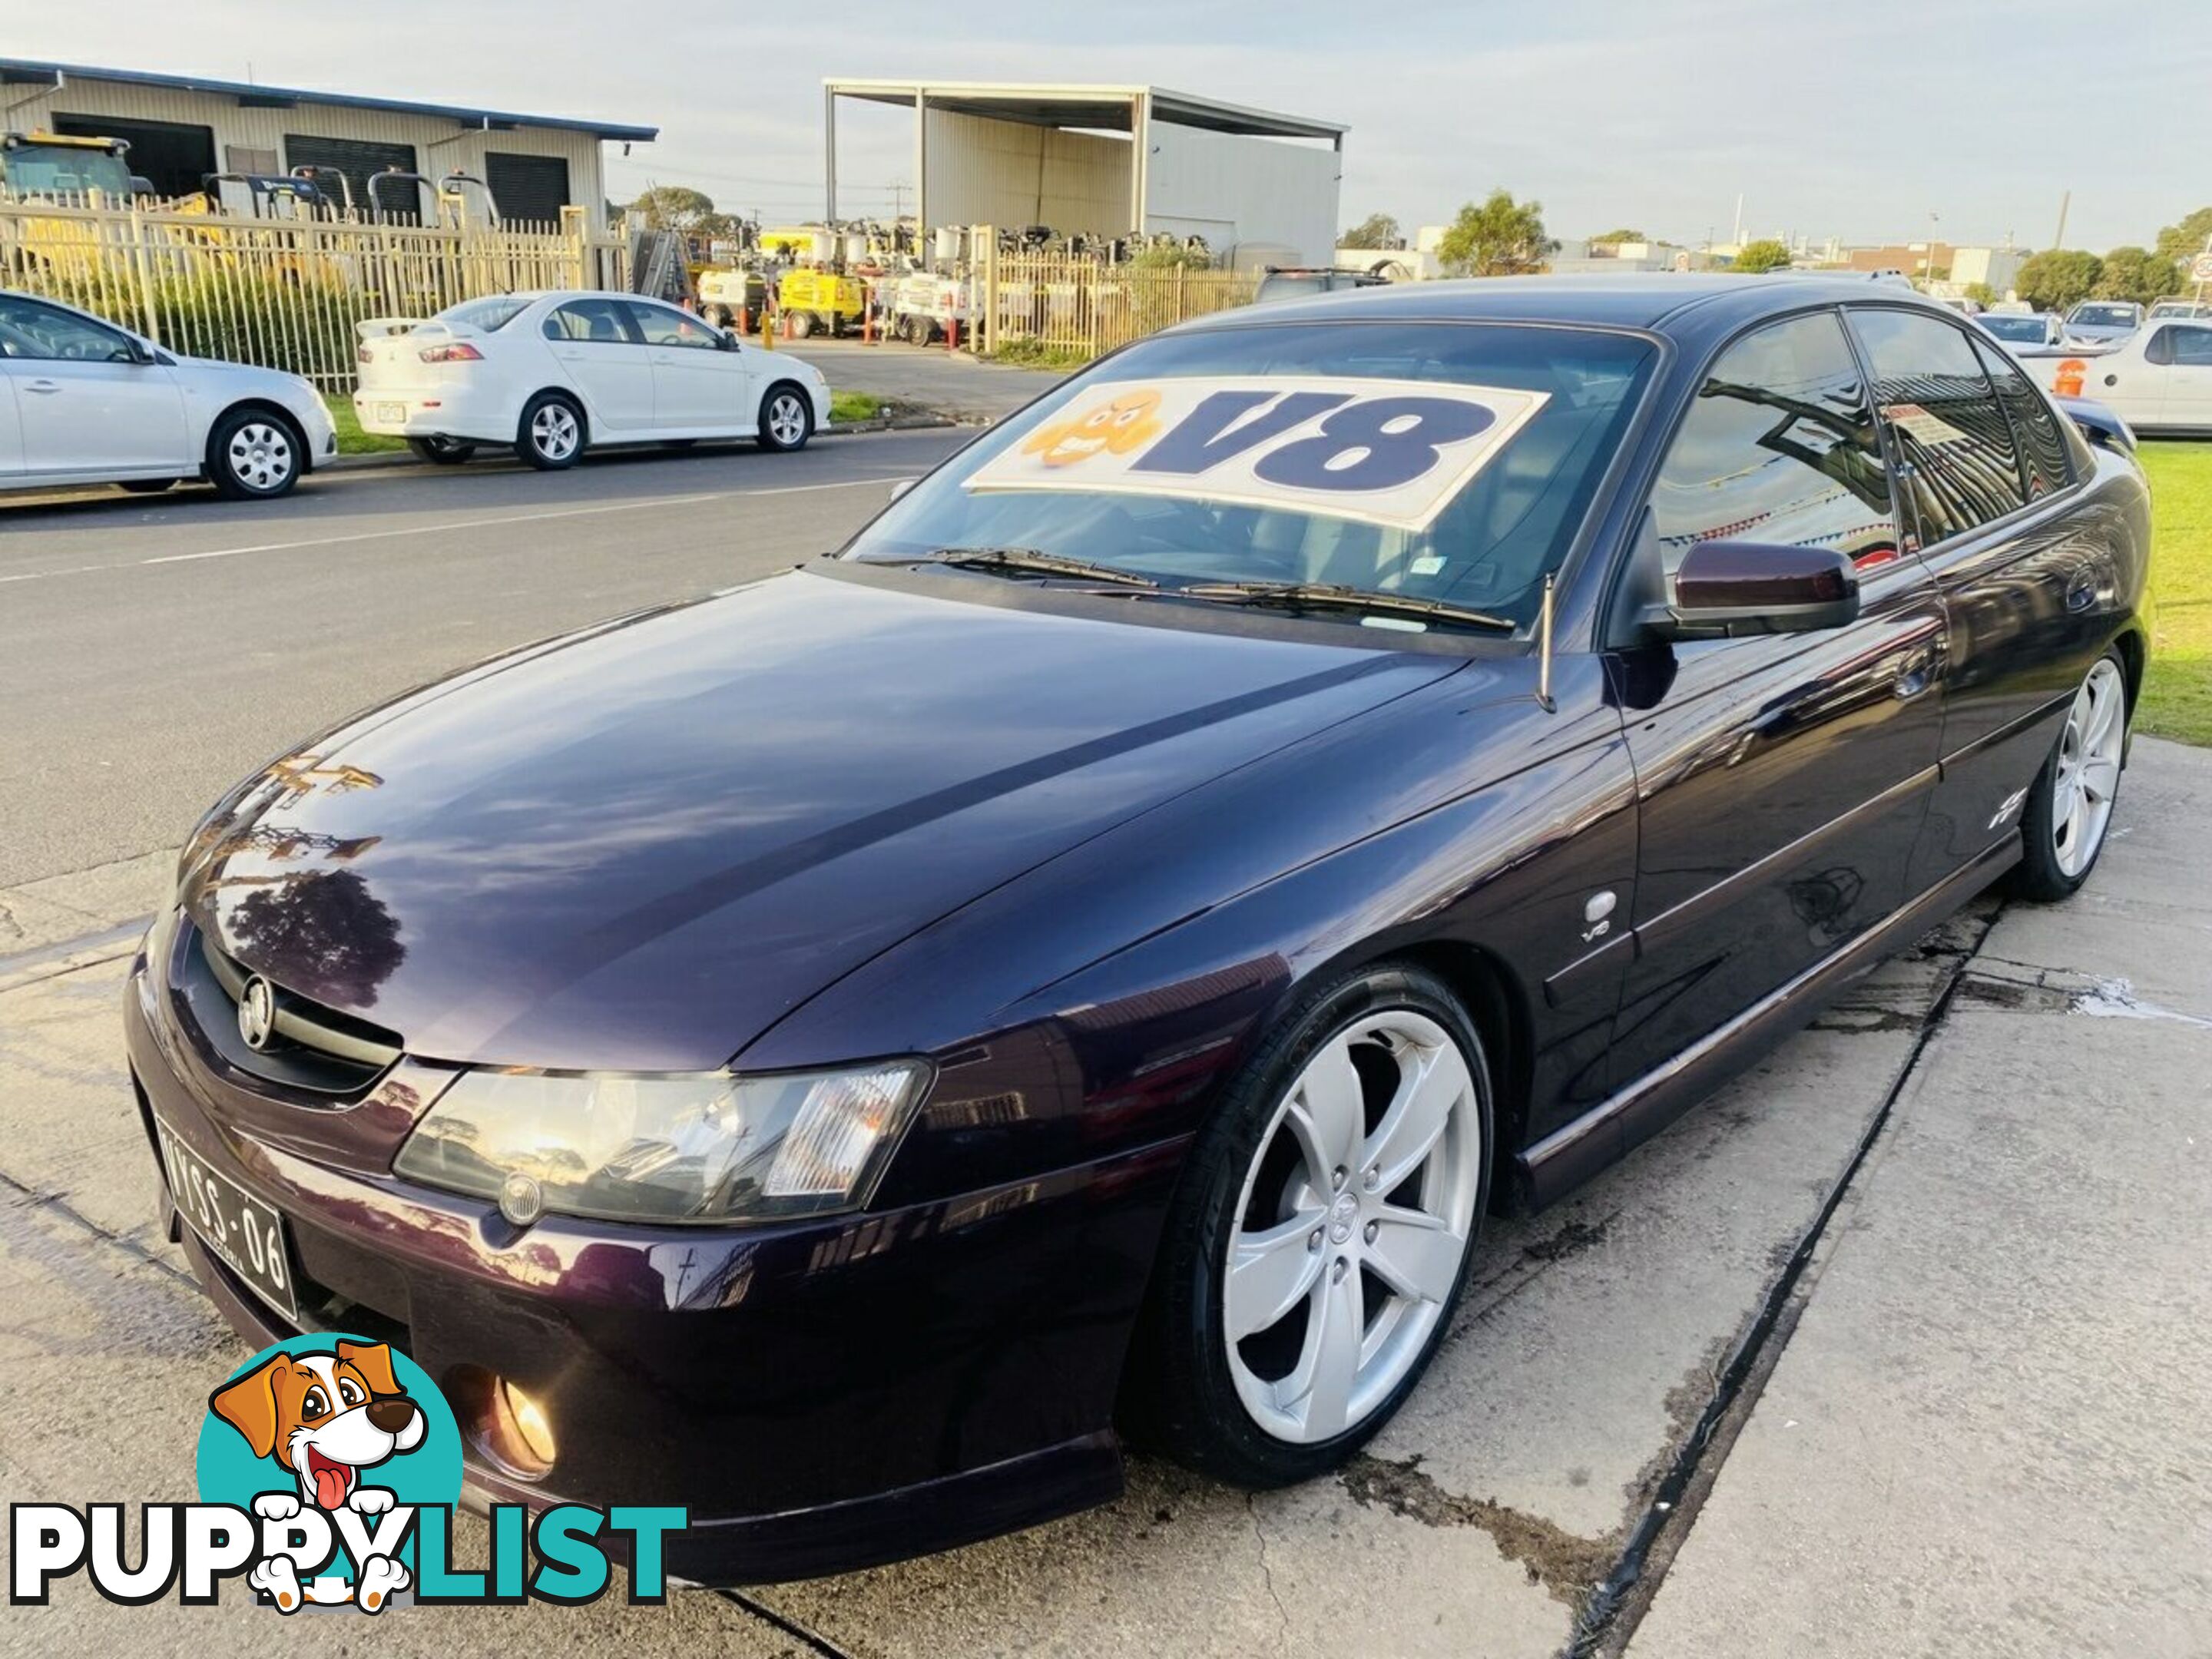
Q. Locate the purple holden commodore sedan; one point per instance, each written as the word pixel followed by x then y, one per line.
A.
pixel 1085 961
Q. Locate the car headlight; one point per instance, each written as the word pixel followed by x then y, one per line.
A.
pixel 698 1147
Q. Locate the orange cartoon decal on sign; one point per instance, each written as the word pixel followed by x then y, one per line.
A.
pixel 1123 422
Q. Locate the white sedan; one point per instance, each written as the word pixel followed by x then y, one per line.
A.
pixel 2159 379
pixel 82 401
pixel 553 374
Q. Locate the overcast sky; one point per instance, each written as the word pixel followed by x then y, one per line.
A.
pixel 1855 120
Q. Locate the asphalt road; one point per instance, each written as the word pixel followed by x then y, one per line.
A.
pixel 151 654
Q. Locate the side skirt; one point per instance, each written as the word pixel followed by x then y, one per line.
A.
pixel 1568 1156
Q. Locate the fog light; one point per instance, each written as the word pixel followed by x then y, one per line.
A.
pixel 530 1422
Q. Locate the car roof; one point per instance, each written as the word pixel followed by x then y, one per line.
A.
pixel 1643 300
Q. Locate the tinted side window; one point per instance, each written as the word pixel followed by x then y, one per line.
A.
pixel 604 320
pixel 1779 446
pixel 2042 451
pixel 28 329
pixel 1943 418
pixel 664 327
pixel 2191 344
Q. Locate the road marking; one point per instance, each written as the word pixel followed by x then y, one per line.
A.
pixel 449 527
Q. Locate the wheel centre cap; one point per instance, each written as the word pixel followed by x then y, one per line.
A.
pixel 1343 1215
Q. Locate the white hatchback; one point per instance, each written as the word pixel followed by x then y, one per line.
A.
pixel 553 374
pixel 82 401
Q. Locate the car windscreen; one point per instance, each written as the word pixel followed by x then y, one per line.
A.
pixel 1449 462
pixel 2104 316
pixel 496 311
pixel 2027 329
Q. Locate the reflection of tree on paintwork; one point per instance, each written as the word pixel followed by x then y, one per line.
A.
pixel 323 934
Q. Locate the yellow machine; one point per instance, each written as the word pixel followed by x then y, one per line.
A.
pixel 52 168
pixel 821 301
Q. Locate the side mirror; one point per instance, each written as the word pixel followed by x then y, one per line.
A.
pixel 1759 588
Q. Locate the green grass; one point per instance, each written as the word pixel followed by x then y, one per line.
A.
pixel 853 406
pixel 2177 700
pixel 1035 353
pixel 352 440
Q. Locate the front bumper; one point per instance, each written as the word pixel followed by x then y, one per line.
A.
pixel 821 1397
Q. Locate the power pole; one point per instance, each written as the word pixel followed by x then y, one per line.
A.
pixel 2058 239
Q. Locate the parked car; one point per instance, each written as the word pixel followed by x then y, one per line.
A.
pixel 1089 957
pixel 2022 328
pixel 2096 322
pixel 552 375
pixel 2178 311
pixel 82 401
pixel 2158 380
pixel 1302 282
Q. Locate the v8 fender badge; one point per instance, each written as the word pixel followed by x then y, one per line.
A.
pixel 2008 807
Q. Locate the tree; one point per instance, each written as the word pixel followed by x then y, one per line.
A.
pixel 1765 254
pixel 2056 278
pixel 679 207
pixel 1499 238
pixel 1982 294
pixel 1615 238
pixel 2185 241
pixel 2136 274
pixel 1376 230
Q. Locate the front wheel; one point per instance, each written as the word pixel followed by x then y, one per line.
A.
pixel 254 455
pixel 786 418
pixel 442 452
pixel 1321 1234
pixel 2069 805
pixel 551 433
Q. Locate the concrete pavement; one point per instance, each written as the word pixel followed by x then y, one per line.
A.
pixel 1988 1432
pixel 952 383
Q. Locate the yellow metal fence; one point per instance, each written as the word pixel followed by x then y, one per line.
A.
pixel 284 294
pixel 1085 307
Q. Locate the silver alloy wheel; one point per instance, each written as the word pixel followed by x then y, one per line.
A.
pixel 1352 1222
pixel 260 455
pixel 554 431
pixel 2087 775
pixel 786 419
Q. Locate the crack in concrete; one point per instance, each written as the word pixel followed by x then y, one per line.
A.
pixel 1565 1564
pixel 1266 1568
pixel 1571 1239
pixel 32 1198
pixel 820 1645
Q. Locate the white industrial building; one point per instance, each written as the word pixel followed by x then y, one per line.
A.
pixel 1104 161
pixel 182 127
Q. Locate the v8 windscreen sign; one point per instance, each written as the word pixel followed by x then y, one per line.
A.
pixel 1387 452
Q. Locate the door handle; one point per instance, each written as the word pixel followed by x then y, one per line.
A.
pixel 42 385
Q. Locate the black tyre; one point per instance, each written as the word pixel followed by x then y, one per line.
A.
pixel 786 417
pixel 146 486
pixel 720 316
pixel 1319 1235
pixel 802 324
pixel 2068 811
pixel 442 452
pixel 255 455
pixel 551 434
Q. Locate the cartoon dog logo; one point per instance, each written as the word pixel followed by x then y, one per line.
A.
pixel 324 1417
pixel 1125 422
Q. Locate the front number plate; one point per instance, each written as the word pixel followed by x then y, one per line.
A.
pixel 245 1234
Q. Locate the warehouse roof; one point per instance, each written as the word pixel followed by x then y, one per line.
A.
pixel 19 71
pixel 1109 109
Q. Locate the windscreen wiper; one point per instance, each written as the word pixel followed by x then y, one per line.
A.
pixel 1336 596
pixel 1034 559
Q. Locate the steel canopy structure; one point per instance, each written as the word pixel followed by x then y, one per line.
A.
pixel 1018 152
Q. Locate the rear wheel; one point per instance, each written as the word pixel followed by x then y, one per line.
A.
pixel 786 418
pixel 1321 1234
pixel 442 452
pixel 551 433
pixel 253 455
pixel 2069 805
